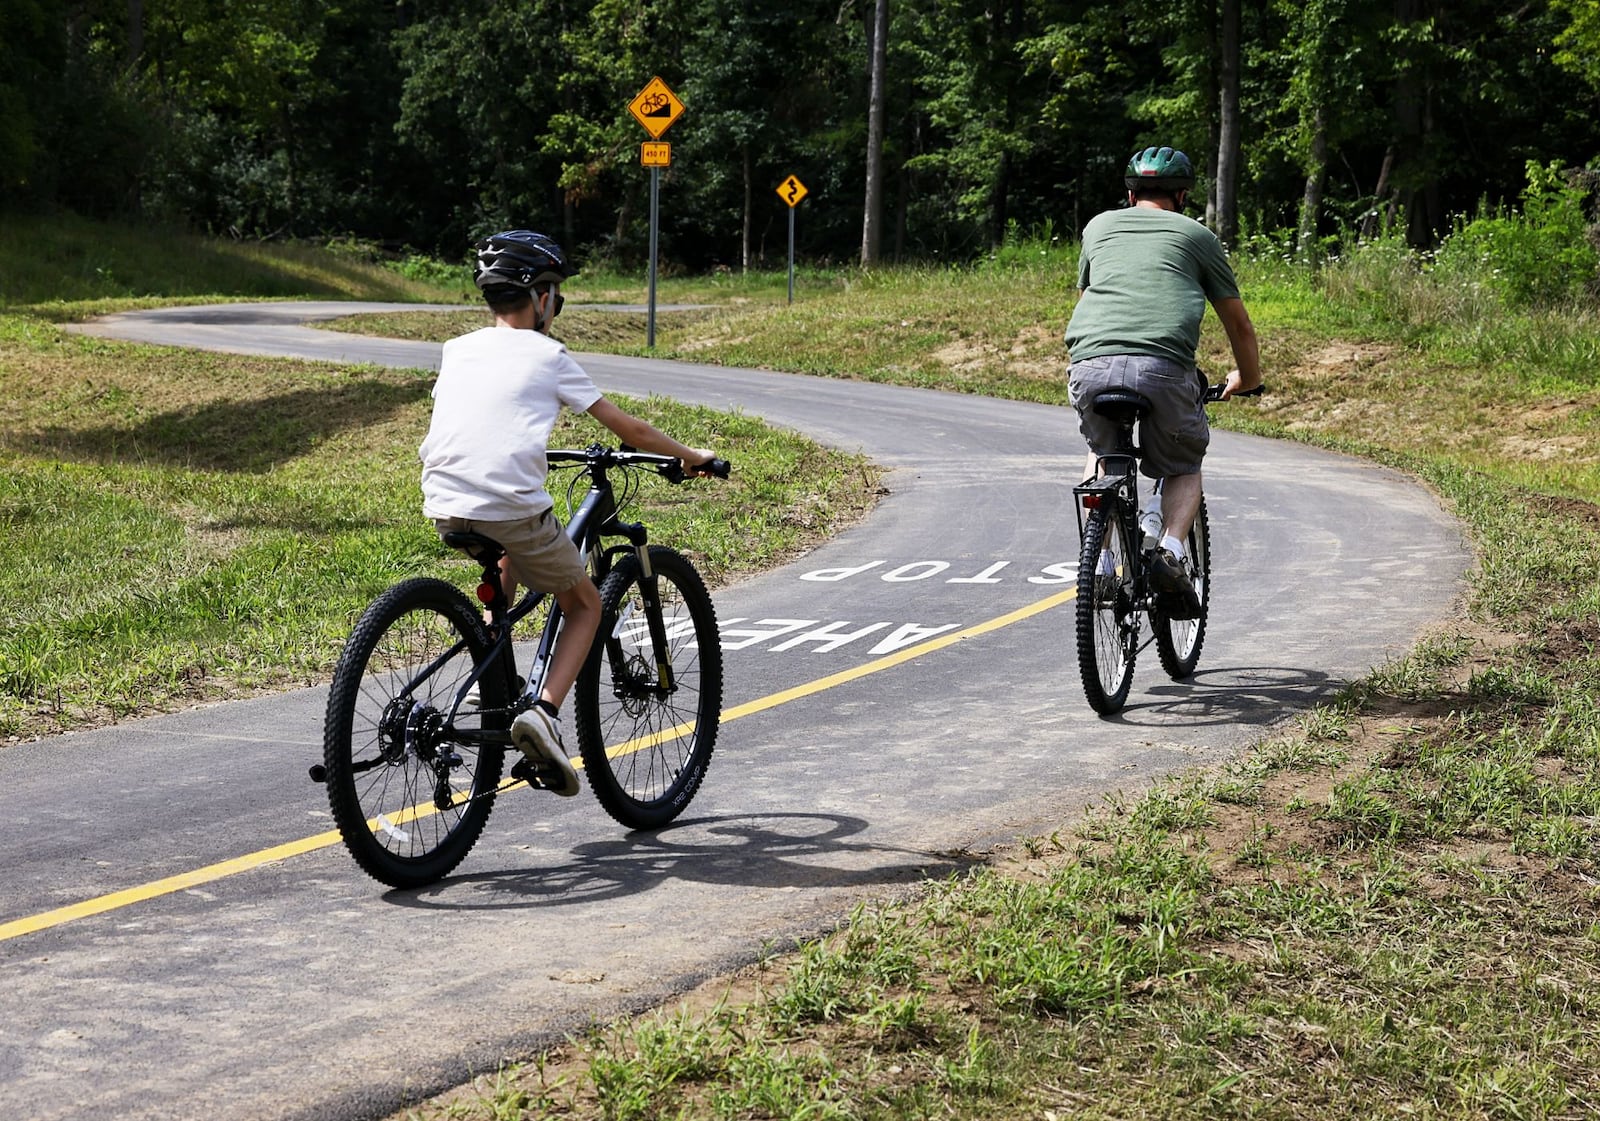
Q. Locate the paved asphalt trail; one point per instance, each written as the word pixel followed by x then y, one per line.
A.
pixel 295 987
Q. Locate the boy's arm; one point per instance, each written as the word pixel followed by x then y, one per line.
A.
pixel 645 436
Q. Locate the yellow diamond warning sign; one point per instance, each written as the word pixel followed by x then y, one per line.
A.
pixel 656 107
pixel 791 190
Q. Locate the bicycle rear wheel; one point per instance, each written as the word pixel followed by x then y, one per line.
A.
pixel 646 743
pixel 409 795
pixel 1178 641
pixel 1108 623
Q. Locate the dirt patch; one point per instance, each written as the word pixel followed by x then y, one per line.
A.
pixel 1035 352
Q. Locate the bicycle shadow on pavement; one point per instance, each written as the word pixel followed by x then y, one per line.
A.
pixel 776 852
pixel 1250 695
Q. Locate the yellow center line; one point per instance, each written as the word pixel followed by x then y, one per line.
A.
pixel 116 900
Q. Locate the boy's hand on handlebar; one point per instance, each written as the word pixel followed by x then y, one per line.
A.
pixel 704 463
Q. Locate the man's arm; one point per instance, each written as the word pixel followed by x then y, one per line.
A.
pixel 1242 338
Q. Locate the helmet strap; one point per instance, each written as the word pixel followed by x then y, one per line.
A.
pixel 545 308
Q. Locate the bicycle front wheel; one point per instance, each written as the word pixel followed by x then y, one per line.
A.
pixel 1108 622
pixel 410 784
pixel 1178 641
pixel 647 729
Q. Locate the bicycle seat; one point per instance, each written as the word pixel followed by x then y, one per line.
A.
pixel 485 550
pixel 1122 405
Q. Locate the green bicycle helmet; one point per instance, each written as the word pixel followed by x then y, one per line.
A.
pixel 1161 169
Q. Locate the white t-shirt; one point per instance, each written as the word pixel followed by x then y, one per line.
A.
pixel 498 395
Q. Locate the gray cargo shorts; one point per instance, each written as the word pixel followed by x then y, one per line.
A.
pixel 1173 437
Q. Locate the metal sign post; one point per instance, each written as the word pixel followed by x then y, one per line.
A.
pixel 655 107
pixel 655 225
pixel 791 191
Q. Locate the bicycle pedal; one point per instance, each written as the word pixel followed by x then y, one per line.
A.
pixel 527 771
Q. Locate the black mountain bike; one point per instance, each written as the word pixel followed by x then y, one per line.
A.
pixel 1114 569
pixel 420 710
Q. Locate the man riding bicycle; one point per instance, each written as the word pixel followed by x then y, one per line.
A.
pixel 1145 274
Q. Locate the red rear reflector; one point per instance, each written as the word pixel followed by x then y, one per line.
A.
pixel 486 592
pixel 1091 502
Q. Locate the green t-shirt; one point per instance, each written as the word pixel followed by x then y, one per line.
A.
pixel 1146 275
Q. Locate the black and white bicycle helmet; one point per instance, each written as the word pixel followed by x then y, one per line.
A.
pixel 519 259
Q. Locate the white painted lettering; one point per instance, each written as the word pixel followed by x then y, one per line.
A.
pixel 831 575
pixel 909 634
pixel 760 631
pixel 908 572
pixel 827 638
pixel 1061 573
pixel 987 576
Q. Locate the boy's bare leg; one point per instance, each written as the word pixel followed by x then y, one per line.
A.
pixel 580 617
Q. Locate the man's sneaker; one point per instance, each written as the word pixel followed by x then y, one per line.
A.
pixel 1175 594
pixel 537 735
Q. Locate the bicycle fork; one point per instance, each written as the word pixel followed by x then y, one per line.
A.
pixel 650 593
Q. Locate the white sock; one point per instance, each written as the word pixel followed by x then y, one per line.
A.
pixel 1107 566
pixel 1172 545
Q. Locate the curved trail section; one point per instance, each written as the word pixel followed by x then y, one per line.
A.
pixel 904 693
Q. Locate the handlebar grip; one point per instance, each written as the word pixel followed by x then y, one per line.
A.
pixel 721 468
pixel 1214 392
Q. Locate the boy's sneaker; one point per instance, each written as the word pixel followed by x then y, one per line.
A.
pixel 1174 590
pixel 537 735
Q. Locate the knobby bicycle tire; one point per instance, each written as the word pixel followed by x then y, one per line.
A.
pixel 645 748
pixel 1179 641
pixel 1107 622
pixel 409 798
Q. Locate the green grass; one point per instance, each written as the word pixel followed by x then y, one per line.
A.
pixel 183 527
pixel 66 266
pixel 1390 909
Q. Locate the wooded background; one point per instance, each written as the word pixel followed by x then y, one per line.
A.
pixel 419 124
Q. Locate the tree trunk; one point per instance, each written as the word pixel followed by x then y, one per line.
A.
pixel 1228 140
pixel 1369 220
pixel 872 220
pixel 135 32
pixel 1316 177
pixel 749 206
pixel 1210 86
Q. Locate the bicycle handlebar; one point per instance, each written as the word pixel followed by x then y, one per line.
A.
pixel 1214 392
pixel 667 466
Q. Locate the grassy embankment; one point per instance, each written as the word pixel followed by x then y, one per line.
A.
pixel 183 527
pixel 1388 910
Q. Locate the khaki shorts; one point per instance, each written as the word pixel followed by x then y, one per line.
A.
pixel 1173 437
pixel 541 553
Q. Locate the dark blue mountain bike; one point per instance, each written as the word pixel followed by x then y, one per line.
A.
pixel 420 709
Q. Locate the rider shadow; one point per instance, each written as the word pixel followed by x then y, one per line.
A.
pixel 1251 695
pixel 770 851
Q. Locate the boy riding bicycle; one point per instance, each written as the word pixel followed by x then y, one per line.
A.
pixel 1146 273
pixel 499 392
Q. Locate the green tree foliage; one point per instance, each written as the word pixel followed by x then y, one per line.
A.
pixel 421 123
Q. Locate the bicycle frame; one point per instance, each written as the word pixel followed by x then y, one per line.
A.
pixel 595 519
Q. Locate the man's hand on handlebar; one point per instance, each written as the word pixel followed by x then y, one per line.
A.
pixel 1235 386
